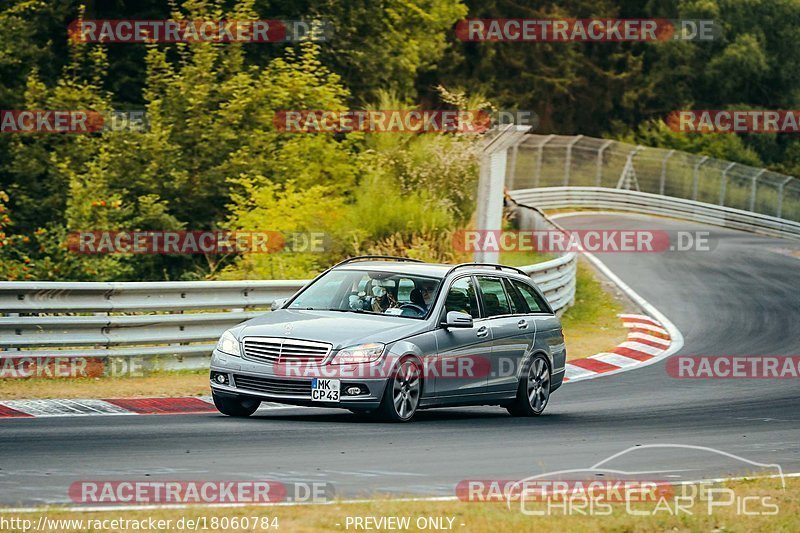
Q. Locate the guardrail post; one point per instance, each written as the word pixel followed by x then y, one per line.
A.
pixel 599 175
pixel 568 159
pixel 779 209
pixel 537 178
pixel 663 180
pixel 696 173
pixel 724 183
pixel 753 190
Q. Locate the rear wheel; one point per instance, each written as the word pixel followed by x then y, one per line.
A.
pixel 533 392
pixel 402 394
pixel 233 406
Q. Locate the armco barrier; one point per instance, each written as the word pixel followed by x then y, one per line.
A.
pixel 168 321
pixel 655 204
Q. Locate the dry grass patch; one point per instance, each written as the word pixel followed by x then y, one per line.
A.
pixel 475 517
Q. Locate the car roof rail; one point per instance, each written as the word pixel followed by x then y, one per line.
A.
pixel 371 257
pixel 490 265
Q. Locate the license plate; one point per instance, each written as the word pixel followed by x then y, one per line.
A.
pixel 325 390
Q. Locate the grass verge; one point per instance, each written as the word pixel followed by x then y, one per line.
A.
pixel 157 384
pixel 763 495
pixel 591 325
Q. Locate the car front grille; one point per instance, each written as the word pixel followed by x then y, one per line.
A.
pixel 277 350
pixel 272 386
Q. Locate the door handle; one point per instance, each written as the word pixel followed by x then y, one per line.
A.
pixel 522 324
pixel 482 331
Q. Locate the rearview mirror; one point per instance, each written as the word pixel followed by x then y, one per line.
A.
pixel 457 319
pixel 277 303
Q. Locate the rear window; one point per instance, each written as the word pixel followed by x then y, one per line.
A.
pixel 535 302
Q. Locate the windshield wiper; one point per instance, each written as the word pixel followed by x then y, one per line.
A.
pixel 352 311
pixel 343 310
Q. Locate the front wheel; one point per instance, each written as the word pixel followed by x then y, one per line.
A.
pixel 534 389
pixel 402 394
pixel 232 406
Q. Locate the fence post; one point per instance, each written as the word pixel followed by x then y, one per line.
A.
pixel 664 172
pixel 513 166
pixel 538 176
pixel 491 181
pixel 724 183
pixel 599 175
pixel 753 190
pixel 696 183
pixel 779 209
pixel 628 177
pixel 568 159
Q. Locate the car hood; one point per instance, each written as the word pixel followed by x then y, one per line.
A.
pixel 341 329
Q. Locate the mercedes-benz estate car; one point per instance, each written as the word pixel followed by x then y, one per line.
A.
pixel 388 336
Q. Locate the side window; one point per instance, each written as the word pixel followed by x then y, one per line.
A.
pixel 534 301
pixel 518 304
pixel 462 297
pixel 494 297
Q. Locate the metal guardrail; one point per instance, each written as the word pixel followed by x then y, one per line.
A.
pixel 183 319
pixel 655 204
pixel 167 320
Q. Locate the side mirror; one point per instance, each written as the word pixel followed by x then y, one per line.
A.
pixel 277 303
pixel 457 319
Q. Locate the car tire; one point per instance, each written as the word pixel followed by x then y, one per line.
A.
pixel 233 406
pixel 403 391
pixel 533 391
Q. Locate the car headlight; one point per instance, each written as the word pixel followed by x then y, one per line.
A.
pixel 363 353
pixel 229 344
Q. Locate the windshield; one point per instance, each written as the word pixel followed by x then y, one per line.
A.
pixel 369 291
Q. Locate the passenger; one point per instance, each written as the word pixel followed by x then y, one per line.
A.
pixel 382 297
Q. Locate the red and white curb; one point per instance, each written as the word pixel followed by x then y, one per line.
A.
pixel 647 340
pixel 112 406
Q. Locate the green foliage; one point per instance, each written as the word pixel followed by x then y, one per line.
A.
pixel 718 145
pixel 262 205
pixel 212 157
pixel 387 45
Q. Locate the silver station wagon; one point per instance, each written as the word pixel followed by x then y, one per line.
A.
pixel 387 336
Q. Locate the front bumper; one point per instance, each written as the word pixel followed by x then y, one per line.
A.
pixel 259 380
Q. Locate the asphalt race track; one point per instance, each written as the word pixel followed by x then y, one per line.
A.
pixel 742 298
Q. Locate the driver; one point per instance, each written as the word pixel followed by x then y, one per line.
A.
pixel 423 295
pixel 427 289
